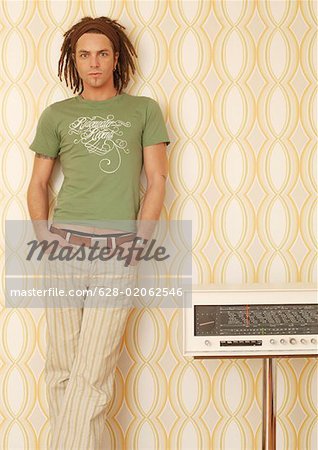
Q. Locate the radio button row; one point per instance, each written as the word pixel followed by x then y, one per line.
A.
pixel 293 341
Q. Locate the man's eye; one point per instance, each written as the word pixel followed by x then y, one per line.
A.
pixel 82 55
pixel 104 53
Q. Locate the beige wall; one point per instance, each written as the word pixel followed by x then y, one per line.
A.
pixel 236 81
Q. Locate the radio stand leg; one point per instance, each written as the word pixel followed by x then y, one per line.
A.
pixel 269 404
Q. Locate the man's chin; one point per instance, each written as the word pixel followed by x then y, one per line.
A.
pixel 93 81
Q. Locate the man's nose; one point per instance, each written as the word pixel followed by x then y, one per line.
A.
pixel 94 61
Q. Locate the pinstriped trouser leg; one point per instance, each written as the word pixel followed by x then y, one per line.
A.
pixel 63 329
pixel 80 421
pixel 90 388
pixel 63 326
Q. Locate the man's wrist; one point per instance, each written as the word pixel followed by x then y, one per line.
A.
pixel 140 241
pixel 140 238
pixel 40 228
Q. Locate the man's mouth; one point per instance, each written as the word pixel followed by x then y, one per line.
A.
pixel 95 73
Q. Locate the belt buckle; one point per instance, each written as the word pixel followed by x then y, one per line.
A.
pixel 97 239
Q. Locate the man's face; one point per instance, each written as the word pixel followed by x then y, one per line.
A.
pixel 95 60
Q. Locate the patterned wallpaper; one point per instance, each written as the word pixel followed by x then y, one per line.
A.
pixel 237 82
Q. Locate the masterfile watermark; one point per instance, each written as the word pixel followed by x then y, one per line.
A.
pixel 68 253
pixel 101 291
pixel 149 259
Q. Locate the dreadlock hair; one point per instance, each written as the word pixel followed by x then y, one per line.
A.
pixel 120 43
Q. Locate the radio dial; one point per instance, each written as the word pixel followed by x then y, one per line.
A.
pixel 272 341
pixel 282 341
pixel 293 341
pixel 313 341
pixel 207 342
pixel 303 341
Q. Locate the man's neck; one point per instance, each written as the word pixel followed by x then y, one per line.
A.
pixel 88 94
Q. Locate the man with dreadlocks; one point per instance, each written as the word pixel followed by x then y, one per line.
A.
pixel 102 137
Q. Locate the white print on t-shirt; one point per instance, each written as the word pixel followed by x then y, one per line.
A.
pixel 98 135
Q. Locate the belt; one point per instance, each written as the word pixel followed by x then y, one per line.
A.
pixel 73 238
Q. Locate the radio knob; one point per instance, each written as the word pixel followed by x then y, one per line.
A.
pixel 282 341
pixel 303 341
pixel 207 342
pixel 313 341
pixel 272 341
pixel 292 341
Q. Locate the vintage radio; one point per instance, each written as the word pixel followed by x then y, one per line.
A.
pixel 250 320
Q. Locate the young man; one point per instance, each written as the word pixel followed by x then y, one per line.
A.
pixel 102 137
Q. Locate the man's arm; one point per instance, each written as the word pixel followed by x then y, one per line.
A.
pixel 37 195
pixel 156 171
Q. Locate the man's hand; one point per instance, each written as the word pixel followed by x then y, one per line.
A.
pixel 127 245
pixel 50 237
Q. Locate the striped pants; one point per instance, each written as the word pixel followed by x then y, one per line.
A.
pixel 84 334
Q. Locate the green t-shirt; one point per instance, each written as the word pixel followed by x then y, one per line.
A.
pixel 100 146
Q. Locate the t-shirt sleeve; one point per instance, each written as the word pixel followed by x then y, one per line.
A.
pixel 155 130
pixel 46 140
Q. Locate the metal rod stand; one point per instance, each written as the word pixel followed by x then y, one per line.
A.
pixel 269 404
